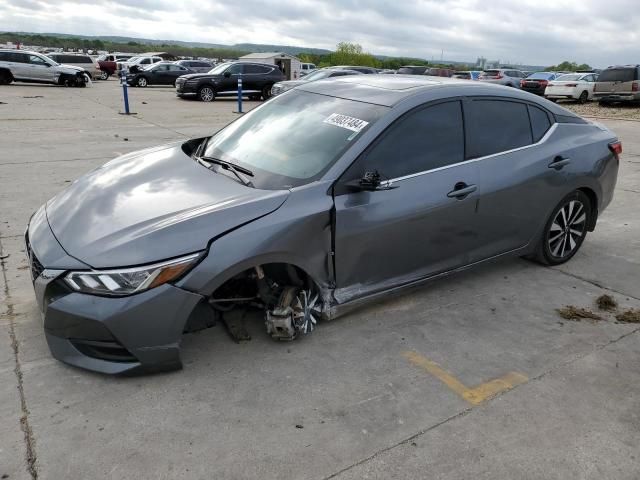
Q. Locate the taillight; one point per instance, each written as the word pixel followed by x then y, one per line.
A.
pixel 499 76
pixel 571 85
pixel 543 83
pixel 616 148
pixel 522 83
pixel 634 87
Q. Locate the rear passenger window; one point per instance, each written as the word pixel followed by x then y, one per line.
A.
pixel 495 126
pixel 422 140
pixel 539 122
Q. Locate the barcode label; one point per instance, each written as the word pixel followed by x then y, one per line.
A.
pixel 345 121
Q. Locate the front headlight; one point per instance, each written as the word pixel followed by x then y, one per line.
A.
pixel 127 281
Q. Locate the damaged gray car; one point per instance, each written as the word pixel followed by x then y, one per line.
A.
pixel 328 196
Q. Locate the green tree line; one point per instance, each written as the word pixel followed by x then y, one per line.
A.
pixel 345 53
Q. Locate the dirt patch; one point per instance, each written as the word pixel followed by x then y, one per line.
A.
pixel 571 312
pixel 607 303
pixel 631 315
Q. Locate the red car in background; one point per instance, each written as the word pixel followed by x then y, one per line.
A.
pixel 109 63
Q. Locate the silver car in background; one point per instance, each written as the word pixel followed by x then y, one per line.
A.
pixel 321 74
pixel 317 201
pixel 33 67
pixel 502 76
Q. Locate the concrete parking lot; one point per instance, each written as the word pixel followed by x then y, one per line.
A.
pixel 474 376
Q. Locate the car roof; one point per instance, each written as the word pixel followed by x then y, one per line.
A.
pixel 389 90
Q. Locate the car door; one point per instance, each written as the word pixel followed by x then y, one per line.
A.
pixel 158 74
pixel 19 65
pixel 506 140
pixel 424 223
pixel 229 81
pixel 173 72
pixel 40 69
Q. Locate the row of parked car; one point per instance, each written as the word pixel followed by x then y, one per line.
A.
pixel 205 80
pixel 614 84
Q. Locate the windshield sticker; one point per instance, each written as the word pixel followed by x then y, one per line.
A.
pixel 345 121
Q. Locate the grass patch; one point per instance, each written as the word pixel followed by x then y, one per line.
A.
pixel 607 303
pixel 570 312
pixel 631 315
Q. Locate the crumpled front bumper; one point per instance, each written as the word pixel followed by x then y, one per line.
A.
pixel 139 332
pixel 115 335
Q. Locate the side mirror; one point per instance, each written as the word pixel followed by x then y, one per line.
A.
pixel 227 74
pixel 370 182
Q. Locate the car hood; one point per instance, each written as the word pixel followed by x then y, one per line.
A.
pixel 189 76
pixel 151 205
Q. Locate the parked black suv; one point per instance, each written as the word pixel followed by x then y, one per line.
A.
pixel 257 80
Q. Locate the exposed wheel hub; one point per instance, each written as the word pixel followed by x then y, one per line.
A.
pixel 297 312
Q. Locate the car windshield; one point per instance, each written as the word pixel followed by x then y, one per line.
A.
pixel 491 73
pixel 133 59
pixel 150 67
pixel 218 69
pixel 294 138
pixel 317 75
pixel 569 77
pixel 540 76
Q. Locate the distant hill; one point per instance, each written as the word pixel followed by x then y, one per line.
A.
pixel 245 47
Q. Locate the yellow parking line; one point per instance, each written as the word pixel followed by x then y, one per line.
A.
pixel 476 395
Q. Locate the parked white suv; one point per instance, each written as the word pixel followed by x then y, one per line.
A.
pixel 33 67
pixel 139 62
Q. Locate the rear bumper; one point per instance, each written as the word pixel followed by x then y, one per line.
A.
pixel 617 97
pixel 536 91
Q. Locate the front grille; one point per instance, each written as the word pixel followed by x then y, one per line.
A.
pixel 110 351
pixel 34 263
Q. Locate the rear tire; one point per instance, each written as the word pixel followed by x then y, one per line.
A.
pixel 584 96
pixel 266 92
pixel 104 75
pixel 565 230
pixel 206 94
pixel 5 77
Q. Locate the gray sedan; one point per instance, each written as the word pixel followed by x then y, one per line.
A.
pixel 324 198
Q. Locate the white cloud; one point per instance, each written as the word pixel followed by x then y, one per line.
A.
pixel 591 31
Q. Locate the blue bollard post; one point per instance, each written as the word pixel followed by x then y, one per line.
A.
pixel 239 93
pixel 123 80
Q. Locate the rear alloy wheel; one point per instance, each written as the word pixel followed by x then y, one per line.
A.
pixel 584 96
pixel 206 94
pixel 565 230
pixel 103 75
pixel 142 82
pixel 266 92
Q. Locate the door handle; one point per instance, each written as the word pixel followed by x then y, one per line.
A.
pixel 461 190
pixel 559 162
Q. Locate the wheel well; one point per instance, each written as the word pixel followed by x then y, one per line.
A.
pixel 593 200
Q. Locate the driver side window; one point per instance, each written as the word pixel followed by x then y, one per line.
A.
pixel 422 140
pixel 235 69
pixel 36 60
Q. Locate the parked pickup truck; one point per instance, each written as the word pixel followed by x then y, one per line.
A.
pixel 109 64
